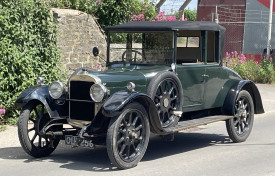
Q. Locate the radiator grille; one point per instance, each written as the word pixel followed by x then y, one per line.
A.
pixel 81 105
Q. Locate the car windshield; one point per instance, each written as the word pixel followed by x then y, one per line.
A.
pixel 141 48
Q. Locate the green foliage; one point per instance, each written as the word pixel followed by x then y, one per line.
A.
pixel 259 71
pixel 109 12
pixel 3 127
pixel 88 6
pixel 191 15
pixel 27 49
pixel 121 11
pixel 147 9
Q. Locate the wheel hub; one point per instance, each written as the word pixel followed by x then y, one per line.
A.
pixel 130 135
pixel 165 102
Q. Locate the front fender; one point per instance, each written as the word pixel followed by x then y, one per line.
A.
pixel 115 104
pixel 229 103
pixel 40 93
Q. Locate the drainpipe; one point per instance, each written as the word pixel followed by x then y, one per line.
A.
pixel 269 30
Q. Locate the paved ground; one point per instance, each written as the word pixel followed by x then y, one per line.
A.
pixel 201 151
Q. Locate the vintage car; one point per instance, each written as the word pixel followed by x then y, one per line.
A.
pixel 160 77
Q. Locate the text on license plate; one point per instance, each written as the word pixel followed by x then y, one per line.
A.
pixel 77 141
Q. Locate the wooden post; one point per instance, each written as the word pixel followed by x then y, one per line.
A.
pixel 181 9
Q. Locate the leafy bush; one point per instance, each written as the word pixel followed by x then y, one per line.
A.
pixel 88 6
pixel 2 113
pixel 191 15
pixel 109 12
pixel 27 49
pixel 161 17
pixel 261 71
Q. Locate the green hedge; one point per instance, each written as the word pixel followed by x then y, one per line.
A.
pixel 109 12
pixel 27 49
pixel 256 70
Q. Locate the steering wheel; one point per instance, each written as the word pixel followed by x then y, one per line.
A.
pixel 135 59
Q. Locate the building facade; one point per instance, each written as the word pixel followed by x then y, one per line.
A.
pixel 246 22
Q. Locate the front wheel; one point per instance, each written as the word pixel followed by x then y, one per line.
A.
pixel 31 120
pixel 240 126
pixel 128 136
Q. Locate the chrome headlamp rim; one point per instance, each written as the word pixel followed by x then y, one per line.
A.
pixel 131 86
pixel 62 88
pixel 103 88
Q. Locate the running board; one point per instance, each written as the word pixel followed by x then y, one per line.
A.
pixel 183 125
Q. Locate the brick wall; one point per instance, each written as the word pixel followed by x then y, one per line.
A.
pixel 229 11
pixel 78 33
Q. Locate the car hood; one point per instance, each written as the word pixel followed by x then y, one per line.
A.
pixel 116 79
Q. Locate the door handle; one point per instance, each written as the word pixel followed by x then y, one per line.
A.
pixel 205 76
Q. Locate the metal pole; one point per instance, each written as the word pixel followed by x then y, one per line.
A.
pixel 217 15
pixel 269 30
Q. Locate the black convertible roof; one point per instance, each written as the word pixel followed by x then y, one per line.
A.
pixel 166 26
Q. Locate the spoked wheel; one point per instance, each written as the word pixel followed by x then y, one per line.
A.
pixel 31 121
pixel 128 136
pixel 240 126
pixel 167 94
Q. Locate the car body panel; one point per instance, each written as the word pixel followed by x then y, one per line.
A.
pixel 229 103
pixel 41 93
pixel 193 86
pixel 217 83
pixel 115 104
pixel 116 79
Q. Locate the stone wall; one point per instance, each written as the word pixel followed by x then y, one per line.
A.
pixel 78 33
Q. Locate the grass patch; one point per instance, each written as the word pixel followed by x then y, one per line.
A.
pixel 3 127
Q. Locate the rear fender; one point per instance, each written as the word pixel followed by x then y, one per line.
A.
pixel 229 103
pixel 116 103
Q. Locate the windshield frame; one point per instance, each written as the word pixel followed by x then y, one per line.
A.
pixel 174 47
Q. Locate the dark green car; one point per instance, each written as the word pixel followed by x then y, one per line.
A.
pixel 160 77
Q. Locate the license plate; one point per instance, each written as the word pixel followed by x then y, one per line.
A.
pixel 77 141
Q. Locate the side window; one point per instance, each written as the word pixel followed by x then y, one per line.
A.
pixel 189 48
pixel 212 47
pixel 188 42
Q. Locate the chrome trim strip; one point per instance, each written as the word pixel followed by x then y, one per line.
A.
pixel 87 101
pixel 78 123
pixel 86 77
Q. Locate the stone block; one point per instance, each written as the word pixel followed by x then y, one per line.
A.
pixel 90 65
pixel 74 58
pixel 66 49
pixel 73 66
pixel 77 34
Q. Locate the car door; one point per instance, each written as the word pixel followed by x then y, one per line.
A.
pixel 192 80
pixel 215 86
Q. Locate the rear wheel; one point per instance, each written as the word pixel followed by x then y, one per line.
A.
pixel 128 136
pixel 31 121
pixel 240 126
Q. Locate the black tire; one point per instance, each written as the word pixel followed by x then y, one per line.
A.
pixel 31 120
pixel 240 126
pixel 128 136
pixel 166 91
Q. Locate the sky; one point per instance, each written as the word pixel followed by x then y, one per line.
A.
pixel 174 5
pixel 192 5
